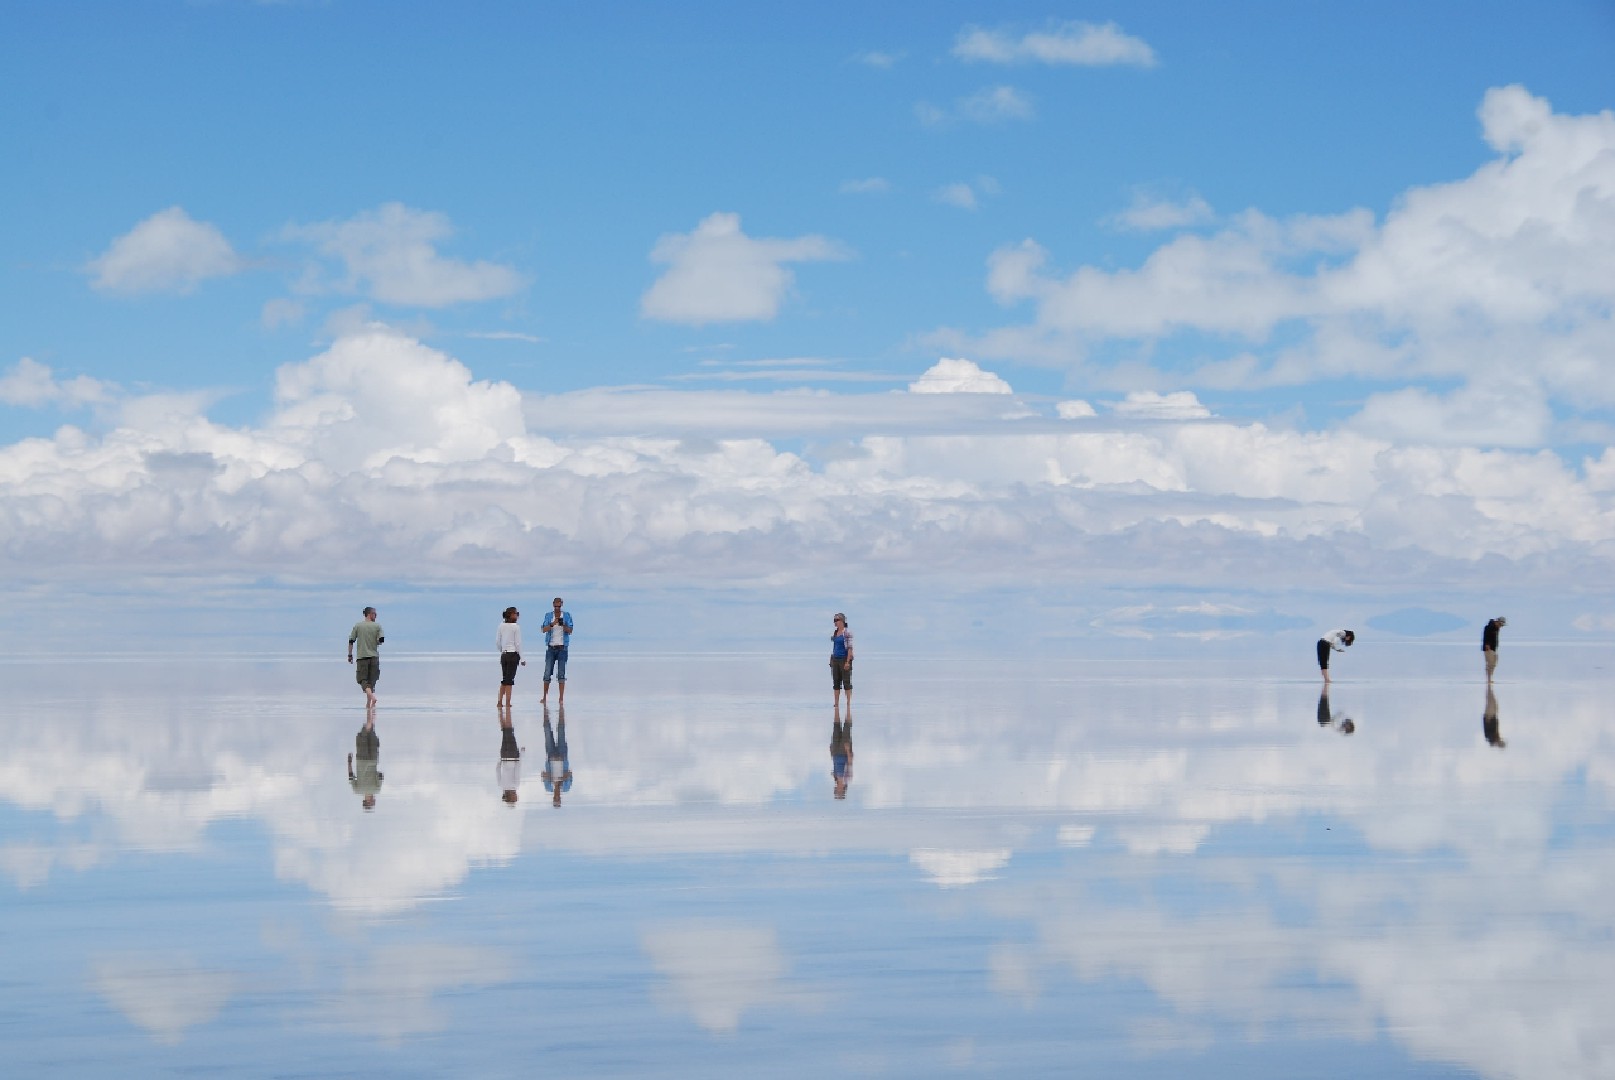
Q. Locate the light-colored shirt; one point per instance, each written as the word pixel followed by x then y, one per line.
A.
pixel 560 633
pixel 366 635
pixel 1336 640
pixel 509 638
pixel 510 774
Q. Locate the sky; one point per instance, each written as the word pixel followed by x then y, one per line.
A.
pixel 1197 319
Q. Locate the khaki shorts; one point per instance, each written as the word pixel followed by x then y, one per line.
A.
pixel 840 674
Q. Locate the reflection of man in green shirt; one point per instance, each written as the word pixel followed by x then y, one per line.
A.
pixel 364 764
pixel 367 635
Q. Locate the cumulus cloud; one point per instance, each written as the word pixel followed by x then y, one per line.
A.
pixel 719 274
pixel 989 105
pixel 1076 409
pixel 958 376
pixel 1179 405
pixel 717 970
pixel 961 195
pixel 1505 275
pixel 165 994
pixel 451 478
pixel 390 254
pixel 1149 213
pixel 951 869
pixel 33 385
pixel 1062 43
pixel 168 252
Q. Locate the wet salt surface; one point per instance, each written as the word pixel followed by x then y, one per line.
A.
pixel 1043 869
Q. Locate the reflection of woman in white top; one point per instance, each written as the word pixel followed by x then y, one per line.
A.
pixel 509 643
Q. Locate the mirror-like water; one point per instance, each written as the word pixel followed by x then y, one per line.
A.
pixel 1033 868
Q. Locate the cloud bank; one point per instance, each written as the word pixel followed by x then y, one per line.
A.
pixel 383 457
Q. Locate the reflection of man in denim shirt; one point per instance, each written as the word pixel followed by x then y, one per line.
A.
pixel 557 769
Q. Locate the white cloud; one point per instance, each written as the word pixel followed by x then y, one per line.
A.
pixel 1074 410
pixel 989 105
pixel 1505 411
pixel 958 376
pixel 951 869
pixel 961 195
pixel 717 970
pixel 165 994
pixel 31 384
pixel 992 104
pixel 1590 623
pixel 873 185
pixel 449 478
pixel 1179 405
pixel 1148 213
pixel 1073 43
pixel 168 252
pixel 1503 277
pixel 719 274
pixel 390 255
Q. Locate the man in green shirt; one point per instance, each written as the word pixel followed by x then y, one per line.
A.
pixel 367 635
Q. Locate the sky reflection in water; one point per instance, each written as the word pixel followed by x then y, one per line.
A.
pixel 1116 868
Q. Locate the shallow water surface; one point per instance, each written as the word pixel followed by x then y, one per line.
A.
pixel 1096 869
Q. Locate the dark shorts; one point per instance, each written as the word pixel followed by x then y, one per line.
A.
pixel 508 663
pixel 367 671
pixel 840 673
pixel 1323 654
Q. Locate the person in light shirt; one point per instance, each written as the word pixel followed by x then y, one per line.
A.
pixel 509 643
pixel 1334 641
pixel 557 761
pixel 364 764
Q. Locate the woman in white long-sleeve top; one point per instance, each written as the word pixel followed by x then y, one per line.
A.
pixel 509 643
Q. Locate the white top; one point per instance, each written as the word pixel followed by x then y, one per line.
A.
pixel 510 774
pixel 1336 640
pixel 510 637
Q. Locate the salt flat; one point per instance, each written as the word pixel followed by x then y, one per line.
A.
pixel 1060 867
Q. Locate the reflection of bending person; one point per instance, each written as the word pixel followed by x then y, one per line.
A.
pixel 510 759
pixel 1327 719
pixel 1335 641
pixel 364 773
pixel 557 768
pixel 1488 722
pixel 841 753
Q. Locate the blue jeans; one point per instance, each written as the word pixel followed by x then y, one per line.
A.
pixel 555 662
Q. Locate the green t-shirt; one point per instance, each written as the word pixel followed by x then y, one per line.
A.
pixel 366 635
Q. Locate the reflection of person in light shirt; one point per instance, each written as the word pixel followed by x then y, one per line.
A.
pixel 364 774
pixel 841 753
pixel 1327 719
pixel 510 759
pixel 557 767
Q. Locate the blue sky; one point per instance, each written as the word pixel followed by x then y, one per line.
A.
pixel 1373 236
